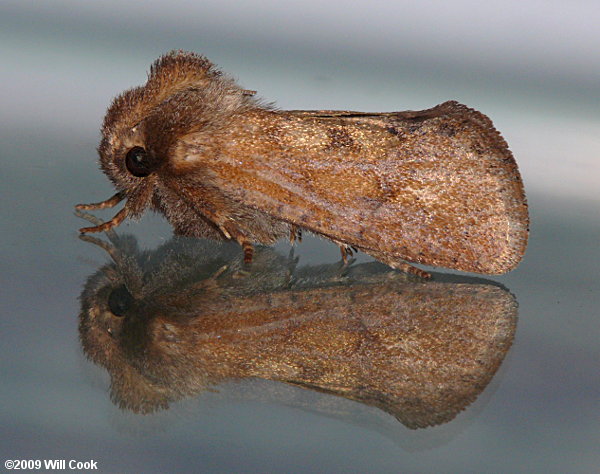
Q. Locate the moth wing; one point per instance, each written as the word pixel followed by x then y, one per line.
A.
pixel 438 186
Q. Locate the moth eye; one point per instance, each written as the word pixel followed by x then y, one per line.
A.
pixel 138 162
pixel 119 301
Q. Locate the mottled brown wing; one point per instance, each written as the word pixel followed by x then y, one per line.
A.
pixel 437 187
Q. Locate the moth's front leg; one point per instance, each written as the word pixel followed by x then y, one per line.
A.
pixel 110 202
pixel 107 226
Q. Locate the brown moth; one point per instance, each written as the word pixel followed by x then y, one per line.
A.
pixel 438 186
pixel 185 318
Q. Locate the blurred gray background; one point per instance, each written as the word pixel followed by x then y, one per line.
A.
pixel 532 66
pixel 519 61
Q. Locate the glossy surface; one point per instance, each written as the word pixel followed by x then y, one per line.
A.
pixel 62 66
pixel 175 322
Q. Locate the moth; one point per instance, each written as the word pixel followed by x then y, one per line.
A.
pixel 437 187
pixel 170 323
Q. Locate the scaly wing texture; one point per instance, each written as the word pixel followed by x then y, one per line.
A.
pixel 437 187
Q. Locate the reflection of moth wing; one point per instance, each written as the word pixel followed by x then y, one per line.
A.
pixel 425 356
pixel 171 323
pixel 438 187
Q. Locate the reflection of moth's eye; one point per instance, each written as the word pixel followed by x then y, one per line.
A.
pixel 137 162
pixel 119 301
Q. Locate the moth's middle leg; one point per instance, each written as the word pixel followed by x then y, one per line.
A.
pixel 248 251
pixel 239 237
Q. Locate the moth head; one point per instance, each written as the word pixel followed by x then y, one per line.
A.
pixel 135 313
pixel 143 126
pixel 113 328
pixel 108 338
pixel 109 301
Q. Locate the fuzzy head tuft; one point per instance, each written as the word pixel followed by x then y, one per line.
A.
pixel 184 93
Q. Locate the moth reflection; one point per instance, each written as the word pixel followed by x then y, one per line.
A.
pixel 171 323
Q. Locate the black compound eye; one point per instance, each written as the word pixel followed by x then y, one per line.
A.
pixel 137 162
pixel 120 300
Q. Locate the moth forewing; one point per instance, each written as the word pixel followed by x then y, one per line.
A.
pixel 438 187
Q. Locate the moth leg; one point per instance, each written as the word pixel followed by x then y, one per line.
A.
pixel 110 202
pixel 346 252
pixel 238 274
pixel 211 281
pixel 408 268
pixel 248 250
pixel 115 221
pixel 108 248
pixel 240 239
pixel 218 273
pixel 292 262
pixel 295 233
pixel 398 264
pixel 94 220
pixel 225 232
